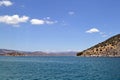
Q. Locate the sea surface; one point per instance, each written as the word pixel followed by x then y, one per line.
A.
pixel 59 68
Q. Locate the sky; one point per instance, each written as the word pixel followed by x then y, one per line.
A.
pixel 57 25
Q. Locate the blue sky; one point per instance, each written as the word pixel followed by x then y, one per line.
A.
pixel 57 25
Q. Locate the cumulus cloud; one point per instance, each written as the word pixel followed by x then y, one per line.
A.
pixel 13 20
pixel 6 3
pixel 93 30
pixel 37 21
pixel 42 21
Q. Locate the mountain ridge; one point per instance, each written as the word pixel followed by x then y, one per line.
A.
pixel 8 52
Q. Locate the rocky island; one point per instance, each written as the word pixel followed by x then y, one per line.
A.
pixel 108 48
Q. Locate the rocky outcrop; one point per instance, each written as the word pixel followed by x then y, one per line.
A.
pixel 110 47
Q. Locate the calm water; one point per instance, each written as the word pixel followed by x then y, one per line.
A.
pixel 59 68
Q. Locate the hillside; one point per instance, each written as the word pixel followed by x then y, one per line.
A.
pixel 110 47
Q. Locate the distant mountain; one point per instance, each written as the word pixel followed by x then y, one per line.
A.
pixel 6 52
pixel 67 53
pixel 110 47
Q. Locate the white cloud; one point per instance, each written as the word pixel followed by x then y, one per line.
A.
pixel 42 21
pixel 5 3
pixel 50 22
pixel 71 13
pixel 16 19
pixel 93 30
pixel 13 20
pixel 37 21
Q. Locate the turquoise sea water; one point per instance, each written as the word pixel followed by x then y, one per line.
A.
pixel 59 68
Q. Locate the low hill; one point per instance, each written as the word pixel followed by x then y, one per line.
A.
pixel 110 47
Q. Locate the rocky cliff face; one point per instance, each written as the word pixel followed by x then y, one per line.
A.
pixel 110 47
